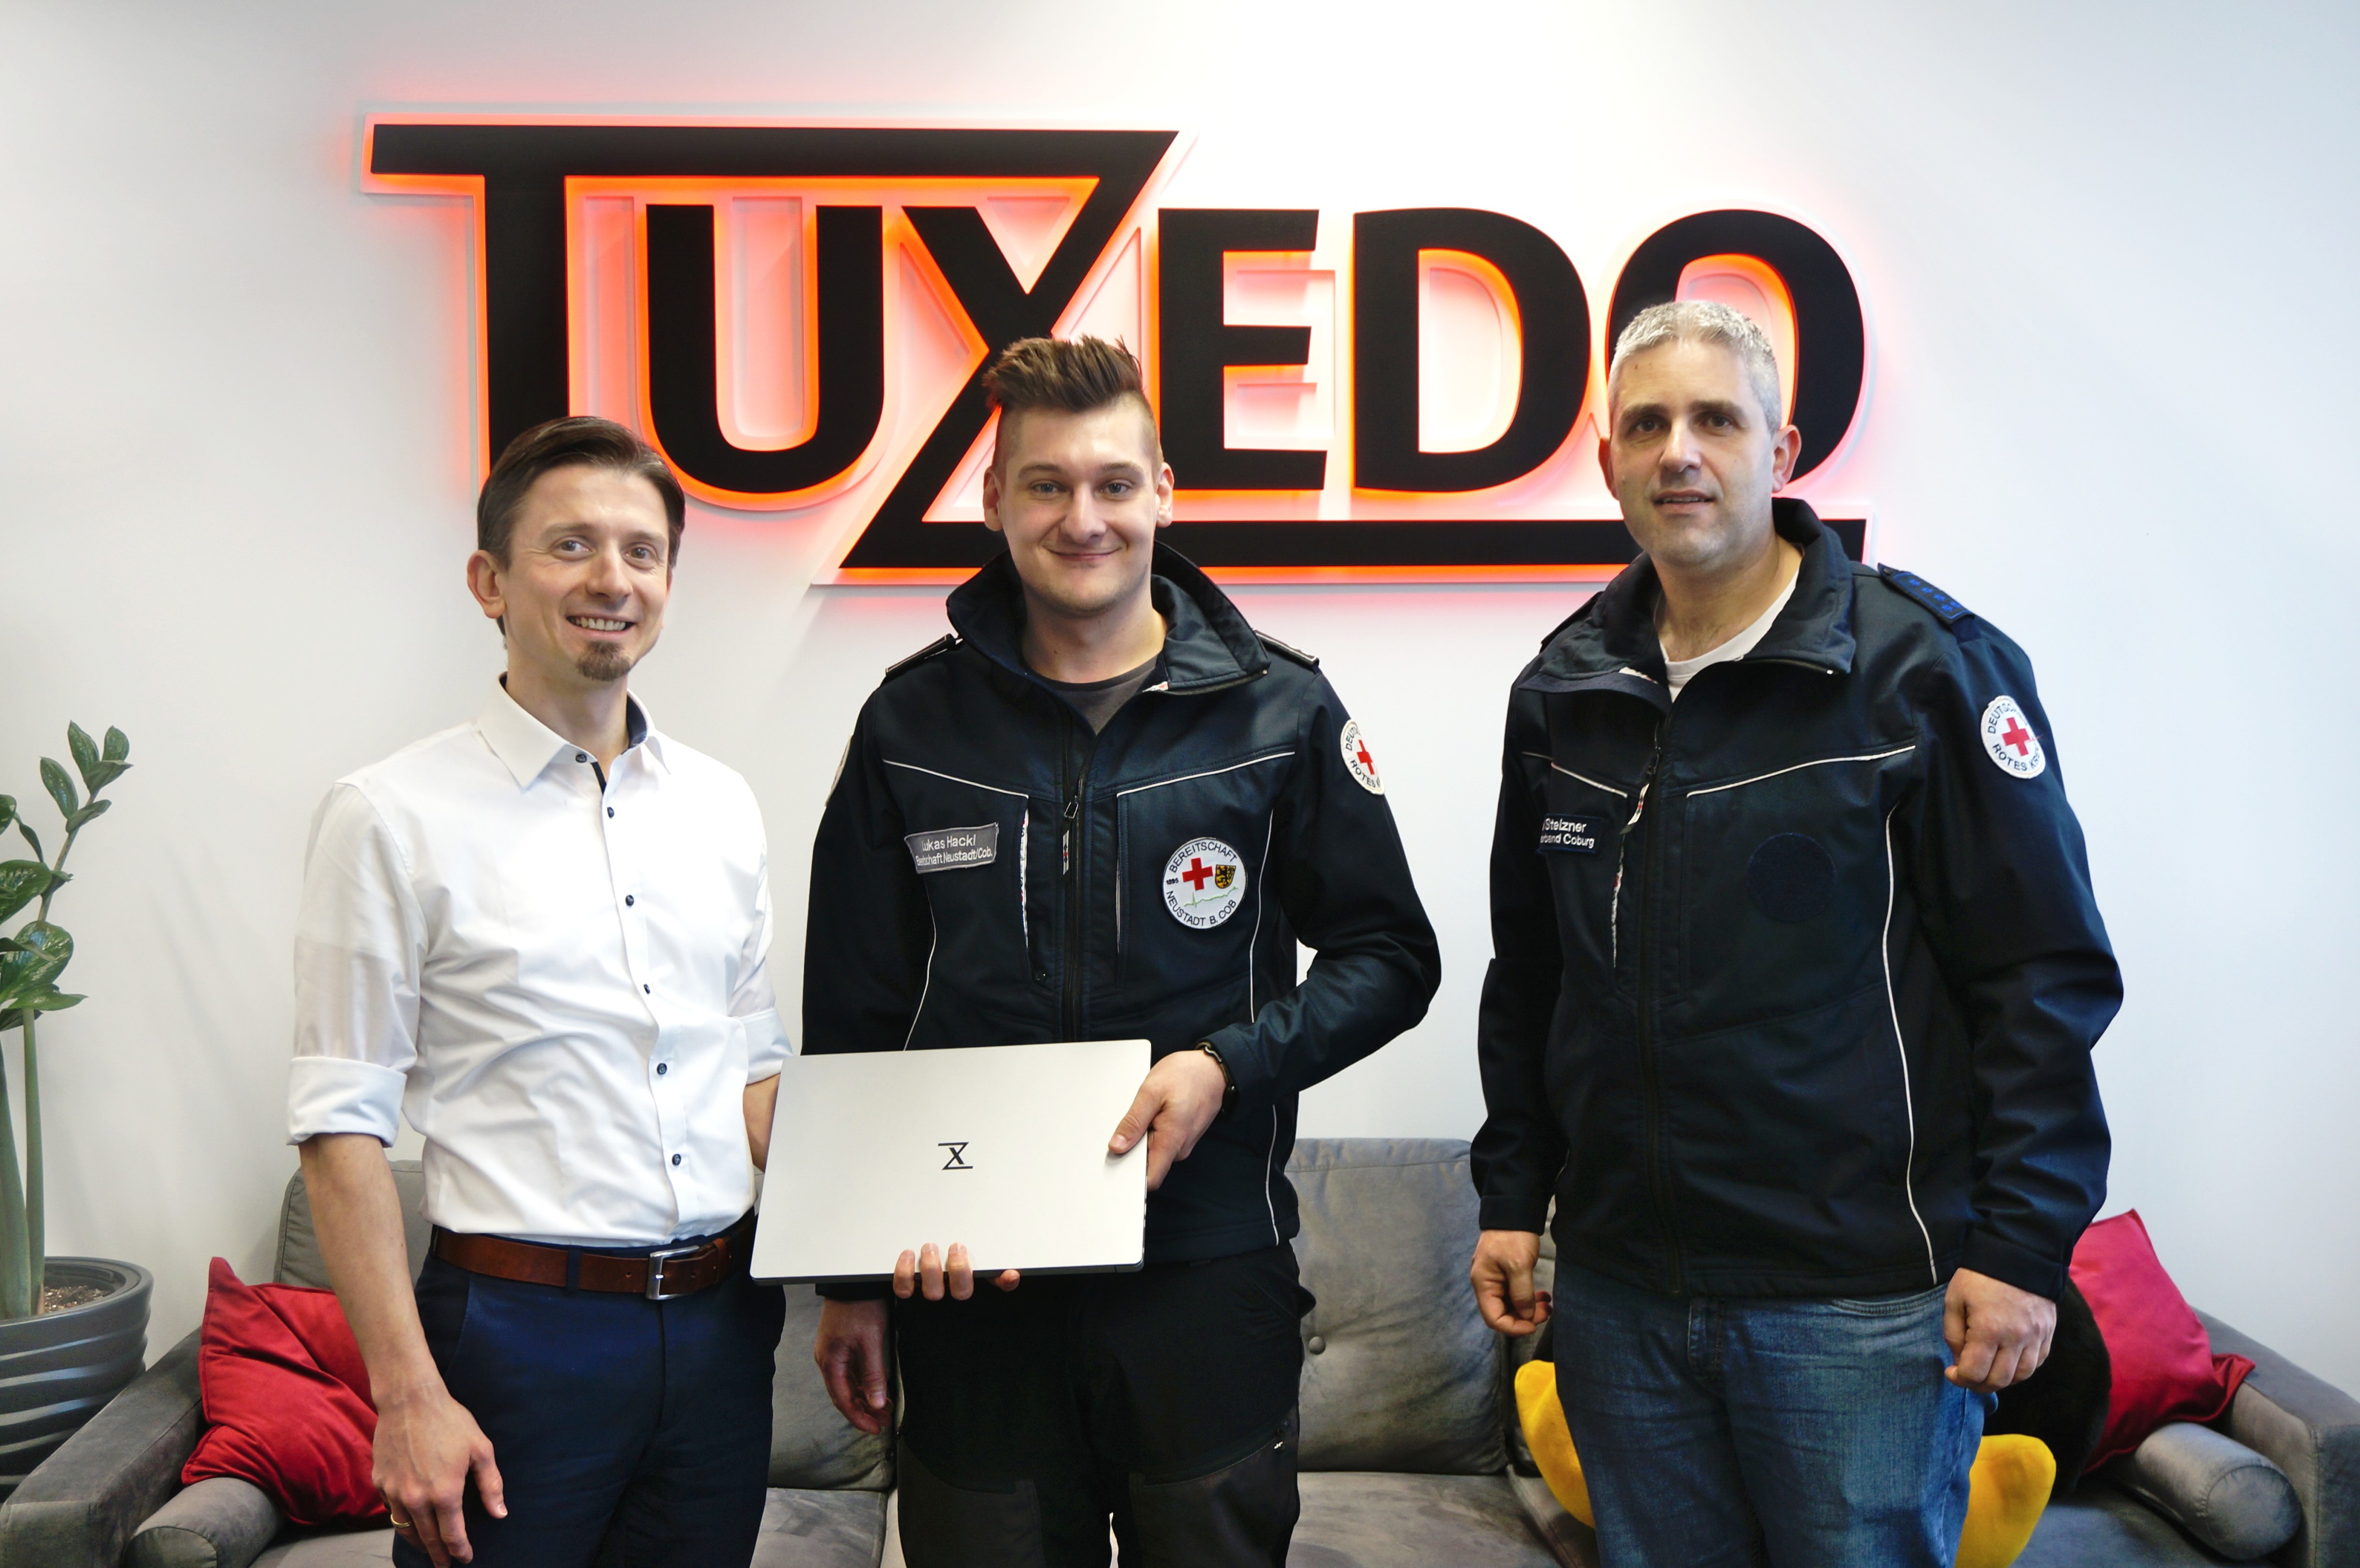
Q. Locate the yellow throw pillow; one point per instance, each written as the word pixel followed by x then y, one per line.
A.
pixel 2006 1491
pixel 1551 1442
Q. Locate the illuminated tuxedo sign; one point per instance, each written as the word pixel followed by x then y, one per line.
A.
pixel 623 269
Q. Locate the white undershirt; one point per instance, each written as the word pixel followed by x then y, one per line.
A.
pixel 1683 670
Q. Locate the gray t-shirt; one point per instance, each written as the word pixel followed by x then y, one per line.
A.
pixel 1099 701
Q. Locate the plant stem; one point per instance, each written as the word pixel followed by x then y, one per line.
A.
pixel 24 1224
pixel 37 1258
pixel 13 1298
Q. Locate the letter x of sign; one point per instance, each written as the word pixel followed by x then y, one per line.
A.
pixel 958 1162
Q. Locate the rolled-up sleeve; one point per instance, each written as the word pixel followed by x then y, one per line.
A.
pixel 359 951
pixel 754 1005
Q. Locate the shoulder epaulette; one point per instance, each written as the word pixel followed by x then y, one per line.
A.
pixel 940 645
pixel 1308 660
pixel 1945 609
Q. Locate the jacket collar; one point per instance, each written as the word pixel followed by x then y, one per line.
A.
pixel 1207 645
pixel 526 747
pixel 1611 643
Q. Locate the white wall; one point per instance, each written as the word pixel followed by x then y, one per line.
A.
pixel 2107 252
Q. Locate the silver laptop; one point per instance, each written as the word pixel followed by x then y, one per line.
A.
pixel 1003 1148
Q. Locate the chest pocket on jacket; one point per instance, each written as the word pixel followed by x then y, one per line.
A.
pixel 1785 886
pixel 1191 858
pixel 968 842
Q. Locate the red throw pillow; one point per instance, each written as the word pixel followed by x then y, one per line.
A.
pixel 287 1400
pixel 2164 1369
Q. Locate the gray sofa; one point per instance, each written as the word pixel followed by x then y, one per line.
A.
pixel 1409 1450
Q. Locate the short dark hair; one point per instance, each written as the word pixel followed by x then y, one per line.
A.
pixel 583 438
pixel 1074 374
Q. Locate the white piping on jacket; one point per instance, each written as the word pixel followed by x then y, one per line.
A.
pixel 1815 762
pixel 1249 762
pixel 956 778
pixel 1569 773
pixel 1908 1102
pixel 1252 1012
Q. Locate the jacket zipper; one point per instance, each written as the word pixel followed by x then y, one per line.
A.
pixel 1644 1000
pixel 1069 855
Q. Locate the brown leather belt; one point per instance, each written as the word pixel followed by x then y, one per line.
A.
pixel 659 1275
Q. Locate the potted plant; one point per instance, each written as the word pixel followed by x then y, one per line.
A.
pixel 73 1331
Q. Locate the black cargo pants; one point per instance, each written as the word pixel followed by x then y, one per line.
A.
pixel 1163 1400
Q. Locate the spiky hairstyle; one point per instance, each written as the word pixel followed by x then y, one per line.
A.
pixel 1070 375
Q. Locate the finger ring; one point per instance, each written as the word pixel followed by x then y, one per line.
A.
pixel 399 1523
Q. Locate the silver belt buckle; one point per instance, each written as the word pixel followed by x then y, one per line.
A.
pixel 656 1261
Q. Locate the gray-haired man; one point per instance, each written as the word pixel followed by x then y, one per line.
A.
pixel 1798 971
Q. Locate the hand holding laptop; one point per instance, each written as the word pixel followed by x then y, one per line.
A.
pixel 1176 1102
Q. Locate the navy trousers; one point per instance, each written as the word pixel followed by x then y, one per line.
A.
pixel 627 1432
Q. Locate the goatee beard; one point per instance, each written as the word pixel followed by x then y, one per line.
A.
pixel 604 661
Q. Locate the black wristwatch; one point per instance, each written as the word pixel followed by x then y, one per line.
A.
pixel 1229 1082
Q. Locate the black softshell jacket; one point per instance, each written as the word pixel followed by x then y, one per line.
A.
pixel 1063 931
pixel 1795 984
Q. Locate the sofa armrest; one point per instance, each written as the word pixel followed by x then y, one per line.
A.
pixel 82 1503
pixel 2311 1430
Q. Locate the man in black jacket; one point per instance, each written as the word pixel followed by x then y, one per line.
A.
pixel 1798 971
pixel 1168 801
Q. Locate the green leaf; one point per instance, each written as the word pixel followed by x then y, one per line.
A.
pixel 50 1001
pixel 7 810
pixel 85 753
pixel 106 773
pixel 32 838
pixel 43 952
pixel 61 788
pixel 119 745
pixel 21 882
pixel 95 809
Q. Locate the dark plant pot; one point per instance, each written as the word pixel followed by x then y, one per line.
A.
pixel 59 1369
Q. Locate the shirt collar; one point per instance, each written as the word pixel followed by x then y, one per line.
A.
pixel 526 747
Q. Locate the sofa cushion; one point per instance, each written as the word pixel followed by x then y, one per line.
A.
pixel 2216 1488
pixel 221 1522
pixel 2098 1526
pixel 1400 1374
pixel 299 1244
pixel 330 1548
pixel 1379 1519
pixel 810 1444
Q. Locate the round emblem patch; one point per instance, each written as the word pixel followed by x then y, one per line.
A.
pixel 1203 883
pixel 1357 760
pixel 2009 740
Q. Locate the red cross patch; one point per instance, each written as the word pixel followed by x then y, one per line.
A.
pixel 1358 762
pixel 2010 742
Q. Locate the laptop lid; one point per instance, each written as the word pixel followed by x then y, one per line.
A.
pixel 1003 1148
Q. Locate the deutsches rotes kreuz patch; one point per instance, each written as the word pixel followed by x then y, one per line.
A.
pixel 1203 883
pixel 2009 740
pixel 1357 760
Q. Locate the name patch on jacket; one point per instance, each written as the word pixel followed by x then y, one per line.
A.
pixel 1572 835
pixel 953 849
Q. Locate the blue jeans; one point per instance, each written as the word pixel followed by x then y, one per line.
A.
pixel 1729 1431
pixel 639 1427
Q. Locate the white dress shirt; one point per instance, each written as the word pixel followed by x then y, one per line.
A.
pixel 565 988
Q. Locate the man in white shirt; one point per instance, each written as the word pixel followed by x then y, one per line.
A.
pixel 543 936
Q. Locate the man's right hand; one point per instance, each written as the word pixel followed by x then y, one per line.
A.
pixel 427 1446
pixel 850 1353
pixel 1502 1275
